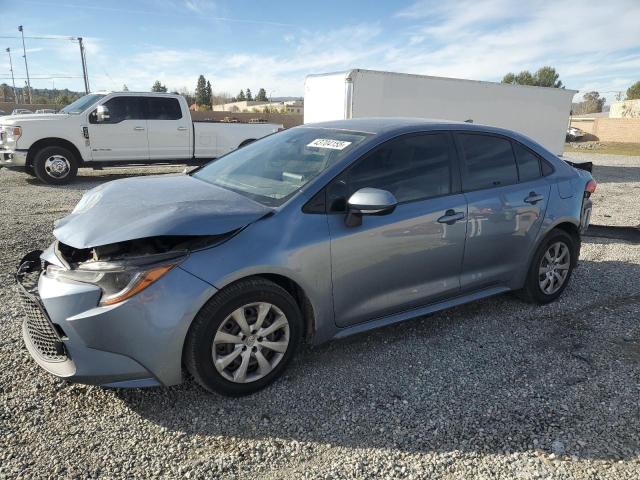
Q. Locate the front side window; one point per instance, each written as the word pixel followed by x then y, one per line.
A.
pixel 123 108
pixel 274 168
pixel 528 163
pixel 411 167
pixel 488 161
pixel 163 109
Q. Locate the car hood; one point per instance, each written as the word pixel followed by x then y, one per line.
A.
pixel 143 207
pixel 32 117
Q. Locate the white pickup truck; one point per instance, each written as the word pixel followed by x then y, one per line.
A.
pixel 117 128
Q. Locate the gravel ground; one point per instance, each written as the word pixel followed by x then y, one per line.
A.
pixel 616 199
pixel 496 389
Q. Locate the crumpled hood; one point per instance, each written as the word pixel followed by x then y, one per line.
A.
pixel 142 207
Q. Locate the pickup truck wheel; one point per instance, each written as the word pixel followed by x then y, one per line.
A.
pixel 55 165
pixel 30 171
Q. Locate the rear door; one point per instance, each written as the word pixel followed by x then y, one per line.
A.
pixel 411 256
pixel 123 136
pixel 507 201
pixel 169 129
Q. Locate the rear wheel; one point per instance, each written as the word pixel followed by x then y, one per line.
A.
pixel 243 338
pixel 55 165
pixel 551 268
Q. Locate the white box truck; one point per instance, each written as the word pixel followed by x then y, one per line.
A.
pixel 540 113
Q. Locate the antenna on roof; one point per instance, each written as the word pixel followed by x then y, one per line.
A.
pixel 469 120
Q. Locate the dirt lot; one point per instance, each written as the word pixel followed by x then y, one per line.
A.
pixel 496 389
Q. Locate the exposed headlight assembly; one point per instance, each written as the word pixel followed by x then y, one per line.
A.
pixel 117 280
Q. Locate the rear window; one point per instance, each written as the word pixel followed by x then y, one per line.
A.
pixel 528 163
pixel 488 161
pixel 163 109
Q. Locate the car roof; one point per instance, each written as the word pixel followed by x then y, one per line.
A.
pixel 380 125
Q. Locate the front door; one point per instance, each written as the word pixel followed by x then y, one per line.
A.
pixel 123 136
pixel 507 201
pixel 169 131
pixel 412 256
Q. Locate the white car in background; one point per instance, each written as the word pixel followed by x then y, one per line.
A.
pixel 117 128
pixel 21 111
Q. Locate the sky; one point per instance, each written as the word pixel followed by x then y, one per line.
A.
pixel 593 44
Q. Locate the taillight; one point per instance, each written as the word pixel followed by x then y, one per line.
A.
pixel 590 187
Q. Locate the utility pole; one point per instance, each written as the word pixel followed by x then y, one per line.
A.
pixel 13 80
pixel 83 57
pixel 24 51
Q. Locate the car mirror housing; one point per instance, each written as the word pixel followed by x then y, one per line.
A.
pixel 369 201
pixel 102 114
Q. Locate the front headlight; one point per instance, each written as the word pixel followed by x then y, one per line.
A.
pixel 117 284
pixel 13 134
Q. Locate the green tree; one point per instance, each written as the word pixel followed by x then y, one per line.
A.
pixel 633 92
pixel 201 91
pixel 592 103
pixel 544 77
pixel 209 93
pixel 262 95
pixel 125 88
pixel 241 97
pixel 158 87
pixel 62 100
pixel 547 77
pixel 249 96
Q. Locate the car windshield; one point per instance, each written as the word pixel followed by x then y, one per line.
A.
pixel 274 168
pixel 81 104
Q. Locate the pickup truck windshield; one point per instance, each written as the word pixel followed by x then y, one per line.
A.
pixel 81 104
pixel 272 169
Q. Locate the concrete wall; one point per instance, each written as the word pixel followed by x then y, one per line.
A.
pixel 288 121
pixel 625 109
pixel 610 129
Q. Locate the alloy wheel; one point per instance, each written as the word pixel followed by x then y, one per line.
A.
pixel 554 268
pixel 250 342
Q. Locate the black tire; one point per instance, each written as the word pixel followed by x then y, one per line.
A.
pixel 197 353
pixel 532 291
pixel 30 171
pixel 46 175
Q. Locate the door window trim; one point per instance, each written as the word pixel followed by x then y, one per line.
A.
pixel 455 181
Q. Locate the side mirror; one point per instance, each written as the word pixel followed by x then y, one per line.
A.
pixel 369 201
pixel 102 114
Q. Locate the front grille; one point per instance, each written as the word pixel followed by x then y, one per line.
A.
pixel 39 329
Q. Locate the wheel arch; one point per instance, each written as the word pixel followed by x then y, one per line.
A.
pixel 53 142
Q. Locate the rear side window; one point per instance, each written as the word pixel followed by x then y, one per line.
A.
pixel 125 108
pixel 488 161
pixel 163 109
pixel 528 163
pixel 412 168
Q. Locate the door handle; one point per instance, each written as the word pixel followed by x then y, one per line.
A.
pixel 450 217
pixel 533 198
pixel 138 128
pixel 182 129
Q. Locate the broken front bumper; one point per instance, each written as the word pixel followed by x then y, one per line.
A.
pixel 136 343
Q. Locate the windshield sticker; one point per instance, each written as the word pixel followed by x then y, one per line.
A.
pixel 329 143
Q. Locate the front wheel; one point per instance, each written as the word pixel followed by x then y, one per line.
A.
pixel 55 165
pixel 551 268
pixel 243 338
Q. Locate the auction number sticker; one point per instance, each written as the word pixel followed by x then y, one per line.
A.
pixel 329 143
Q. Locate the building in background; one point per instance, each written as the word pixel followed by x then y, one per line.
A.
pixel 290 107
